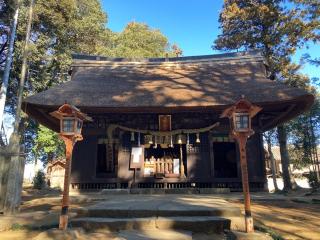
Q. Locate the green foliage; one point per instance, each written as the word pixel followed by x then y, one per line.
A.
pixel 17 227
pixel 6 11
pixel 271 232
pixel 139 40
pixel 315 62
pixel 269 26
pixel 59 28
pixel 310 9
pixel 39 180
pixel 304 136
pixel 47 145
pixel 6 14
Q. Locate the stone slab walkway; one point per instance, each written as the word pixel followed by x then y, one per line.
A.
pixel 168 203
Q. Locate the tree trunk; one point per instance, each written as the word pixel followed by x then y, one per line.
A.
pixel 5 158
pixel 6 74
pixel 273 165
pixel 13 191
pixel 5 151
pixel 314 150
pixel 288 184
pixel 15 175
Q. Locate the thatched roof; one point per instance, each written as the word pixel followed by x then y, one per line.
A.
pixel 213 81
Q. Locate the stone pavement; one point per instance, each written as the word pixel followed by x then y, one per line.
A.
pixel 81 196
pixel 165 203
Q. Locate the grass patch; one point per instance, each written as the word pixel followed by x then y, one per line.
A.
pixel 272 233
pixel 315 201
pixel 296 200
pixel 19 227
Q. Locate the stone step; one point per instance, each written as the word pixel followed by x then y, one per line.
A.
pixel 195 224
pixel 138 213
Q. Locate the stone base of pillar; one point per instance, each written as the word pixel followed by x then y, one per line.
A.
pixel 63 222
pixel 183 176
pixel 249 224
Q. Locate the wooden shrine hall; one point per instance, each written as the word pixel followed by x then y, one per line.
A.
pixel 156 122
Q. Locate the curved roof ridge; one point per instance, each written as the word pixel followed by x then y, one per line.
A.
pixel 255 55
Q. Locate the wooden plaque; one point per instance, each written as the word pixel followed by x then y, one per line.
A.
pixel 164 122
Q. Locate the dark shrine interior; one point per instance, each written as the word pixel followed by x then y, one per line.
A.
pixel 225 160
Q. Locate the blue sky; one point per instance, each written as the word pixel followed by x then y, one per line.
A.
pixel 192 24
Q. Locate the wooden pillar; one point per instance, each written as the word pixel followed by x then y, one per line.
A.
pixel 109 159
pixel 166 166
pixel 63 223
pixel 161 166
pixel 242 141
pixel 157 166
pixel 182 175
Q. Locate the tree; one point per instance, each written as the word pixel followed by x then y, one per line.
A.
pixel 59 29
pixel 7 9
pixel 269 137
pixel 47 145
pixel 278 31
pixel 177 50
pixel 304 137
pixel 7 57
pixel 139 40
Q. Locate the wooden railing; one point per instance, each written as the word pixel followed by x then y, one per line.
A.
pixel 234 186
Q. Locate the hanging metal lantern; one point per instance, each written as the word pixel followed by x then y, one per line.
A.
pixel 155 142
pixel 139 139
pixel 132 137
pixel 151 139
pixel 198 138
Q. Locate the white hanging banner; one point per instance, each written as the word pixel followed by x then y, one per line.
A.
pixel 137 157
pixel 176 166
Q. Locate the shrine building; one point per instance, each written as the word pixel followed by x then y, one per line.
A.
pixel 164 115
